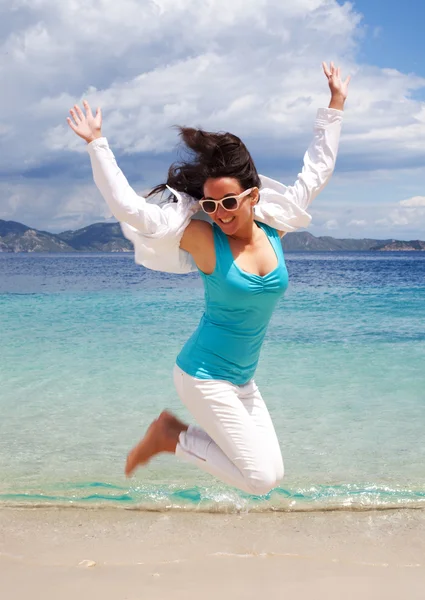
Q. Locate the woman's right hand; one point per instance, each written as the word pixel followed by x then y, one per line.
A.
pixel 86 125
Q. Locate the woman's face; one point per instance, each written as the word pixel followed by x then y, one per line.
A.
pixel 230 222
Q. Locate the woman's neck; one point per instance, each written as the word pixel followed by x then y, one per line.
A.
pixel 247 233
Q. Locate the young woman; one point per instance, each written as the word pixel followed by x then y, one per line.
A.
pixel 237 250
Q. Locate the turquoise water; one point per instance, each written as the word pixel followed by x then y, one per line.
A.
pixel 87 347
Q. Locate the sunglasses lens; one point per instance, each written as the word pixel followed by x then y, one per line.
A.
pixel 209 206
pixel 230 203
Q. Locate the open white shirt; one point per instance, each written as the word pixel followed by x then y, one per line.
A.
pixel 156 230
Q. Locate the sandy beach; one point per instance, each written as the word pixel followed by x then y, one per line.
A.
pixel 118 554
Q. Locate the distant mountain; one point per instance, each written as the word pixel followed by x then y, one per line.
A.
pixel 394 245
pixel 99 237
pixel 15 237
pixel 107 237
pixel 303 241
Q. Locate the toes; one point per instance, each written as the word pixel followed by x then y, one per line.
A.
pixel 129 465
pixel 146 449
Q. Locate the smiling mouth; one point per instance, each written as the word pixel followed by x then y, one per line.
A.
pixel 226 221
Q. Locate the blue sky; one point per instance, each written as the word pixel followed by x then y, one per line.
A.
pixel 394 34
pixel 250 66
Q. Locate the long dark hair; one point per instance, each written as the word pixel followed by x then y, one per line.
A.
pixel 211 155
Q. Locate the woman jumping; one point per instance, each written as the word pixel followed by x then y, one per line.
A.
pixel 226 222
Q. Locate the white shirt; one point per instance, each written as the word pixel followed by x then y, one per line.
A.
pixel 156 230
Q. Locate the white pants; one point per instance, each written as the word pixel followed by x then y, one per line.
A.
pixel 236 440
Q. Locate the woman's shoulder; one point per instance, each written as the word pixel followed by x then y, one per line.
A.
pixel 196 234
pixel 270 231
pixel 198 240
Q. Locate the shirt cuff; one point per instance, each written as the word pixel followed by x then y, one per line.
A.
pixel 327 116
pixel 101 142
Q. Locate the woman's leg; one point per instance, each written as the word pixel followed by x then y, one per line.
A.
pixel 236 441
pixel 253 402
pixel 162 436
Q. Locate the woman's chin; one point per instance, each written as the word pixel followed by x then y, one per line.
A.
pixel 227 226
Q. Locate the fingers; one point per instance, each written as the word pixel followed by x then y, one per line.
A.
pixel 74 115
pixel 326 70
pixel 79 112
pixel 333 71
pixel 88 109
pixel 71 124
pixel 84 124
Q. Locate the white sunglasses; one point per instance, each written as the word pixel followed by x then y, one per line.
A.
pixel 230 203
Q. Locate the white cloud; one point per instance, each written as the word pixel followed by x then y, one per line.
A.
pixel 252 67
pixel 53 208
pixel 400 217
pixel 248 66
pixel 367 216
pixel 357 223
pixel 331 224
pixel 415 202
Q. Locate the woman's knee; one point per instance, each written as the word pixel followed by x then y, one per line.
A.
pixel 267 476
pixel 264 481
pixel 280 470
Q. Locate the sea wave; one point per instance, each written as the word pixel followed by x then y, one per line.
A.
pixel 98 495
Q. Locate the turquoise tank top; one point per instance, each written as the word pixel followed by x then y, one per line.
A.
pixel 238 307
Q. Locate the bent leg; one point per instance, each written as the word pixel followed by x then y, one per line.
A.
pixel 253 402
pixel 229 444
pixel 162 436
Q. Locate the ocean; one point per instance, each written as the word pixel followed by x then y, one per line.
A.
pixel 87 348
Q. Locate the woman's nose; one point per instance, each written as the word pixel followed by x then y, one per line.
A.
pixel 221 212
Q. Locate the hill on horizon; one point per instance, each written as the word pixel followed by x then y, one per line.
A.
pixel 107 237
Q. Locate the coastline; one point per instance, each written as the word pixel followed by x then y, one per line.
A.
pixel 62 553
pixel 113 495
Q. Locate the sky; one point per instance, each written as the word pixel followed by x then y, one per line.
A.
pixel 252 67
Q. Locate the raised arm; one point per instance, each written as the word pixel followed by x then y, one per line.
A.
pixel 125 204
pixel 320 158
pixel 284 207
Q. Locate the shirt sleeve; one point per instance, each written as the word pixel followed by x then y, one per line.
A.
pixel 125 204
pixel 320 158
pixel 284 207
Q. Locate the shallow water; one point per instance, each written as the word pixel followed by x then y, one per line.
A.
pixel 88 344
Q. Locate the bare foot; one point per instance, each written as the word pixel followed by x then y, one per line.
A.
pixel 162 436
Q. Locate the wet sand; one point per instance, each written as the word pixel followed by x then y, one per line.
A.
pixel 61 554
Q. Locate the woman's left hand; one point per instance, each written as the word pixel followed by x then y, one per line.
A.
pixel 87 126
pixel 339 88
